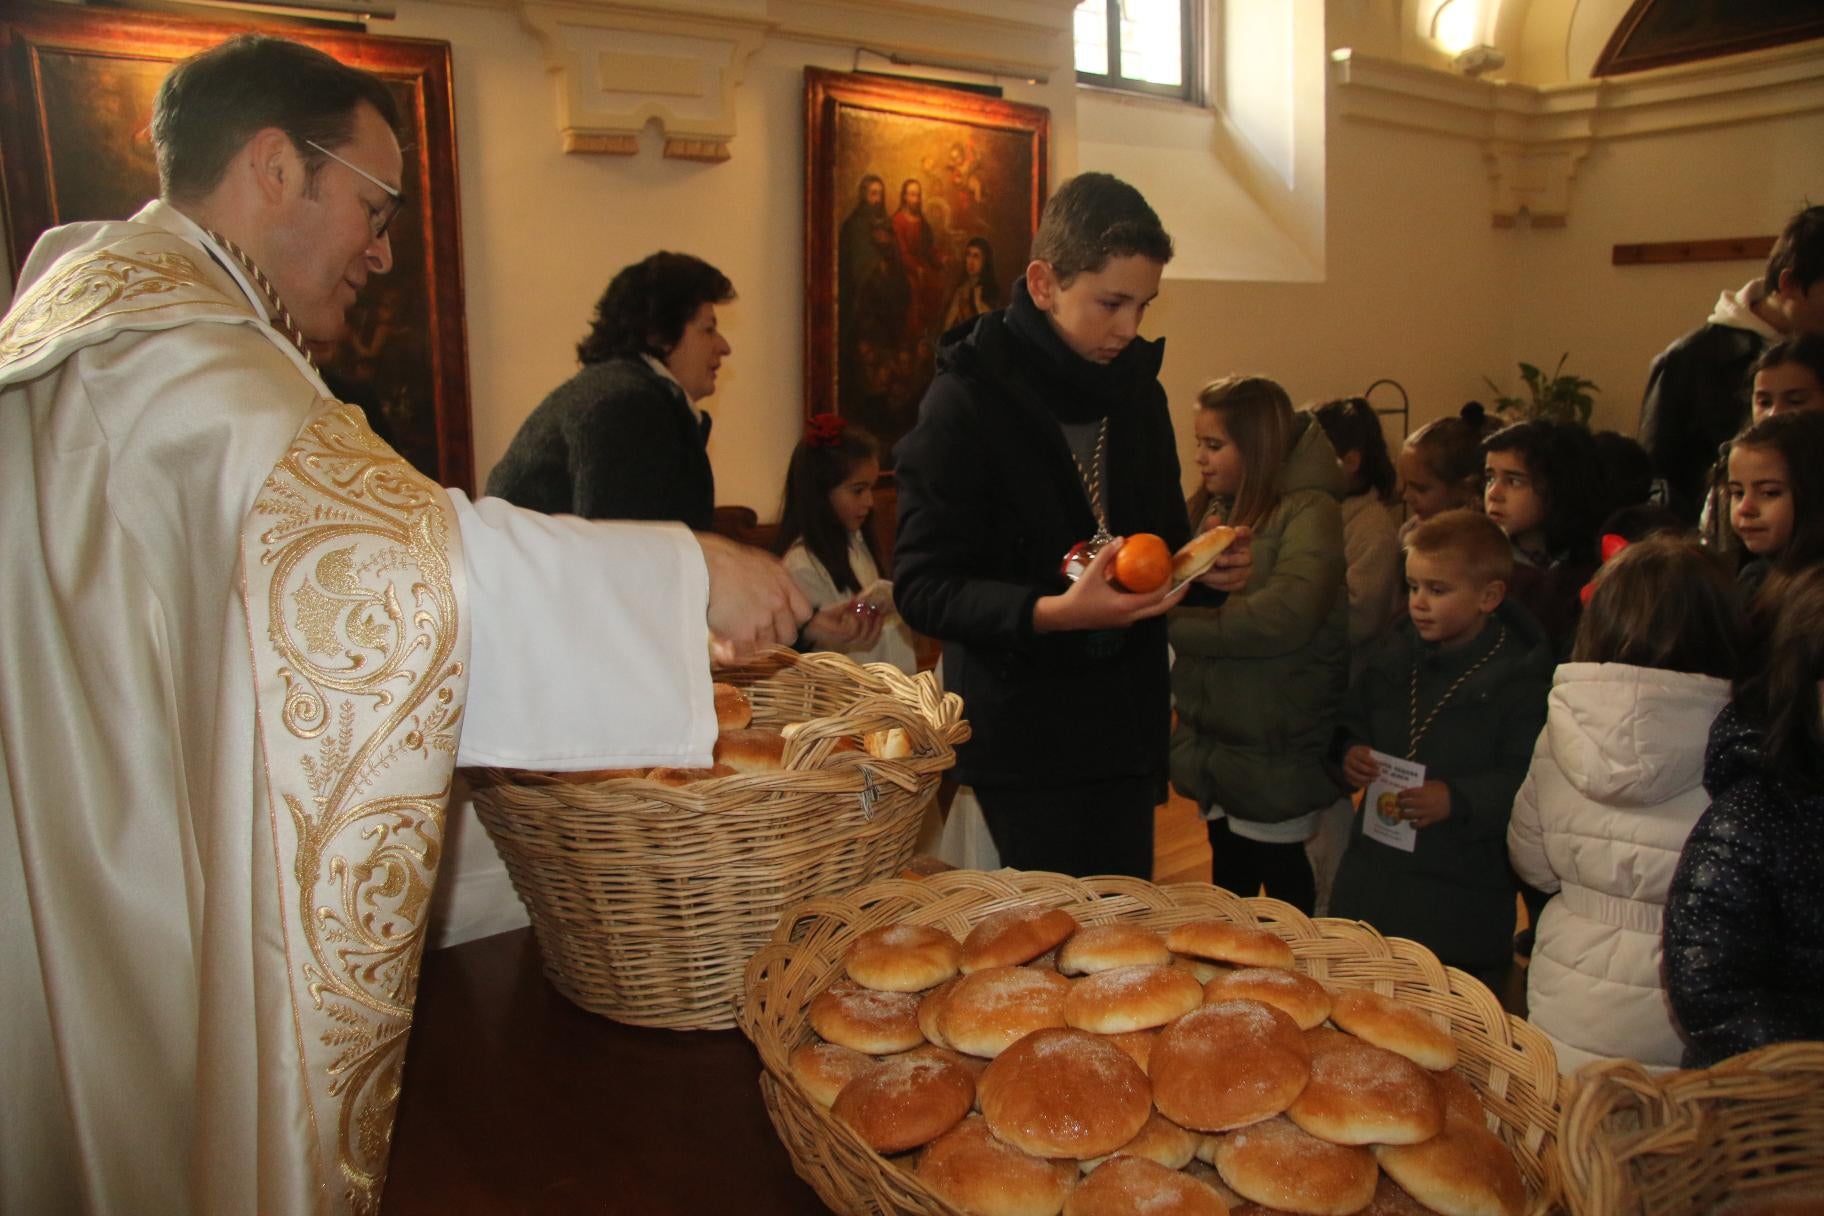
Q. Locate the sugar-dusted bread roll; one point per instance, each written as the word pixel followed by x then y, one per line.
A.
pixel 1065 1093
pixel 906 1100
pixel 1018 935
pixel 972 1170
pixel 1205 1173
pixel 1224 941
pixel 902 958
pixel 930 1005
pixel 1202 968
pixel 1138 1044
pixel 1131 998
pixel 753 750
pixel 1464 1170
pixel 680 777
pixel 1159 1139
pixel 1105 947
pixel 733 710
pixel 824 1068
pixel 1459 1098
pixel 1228 1065
pixel 1275 1164
pixel 1363 1094
pixel 1200 552
pixel 988 1011
pixel 878 1023
pixel 1391 1199
pixel 1394 1025
pixel 1135 1186
pixel 1302 998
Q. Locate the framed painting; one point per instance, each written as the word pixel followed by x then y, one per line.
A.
pixel 1659 33
pixel 76 90
pixel 920 206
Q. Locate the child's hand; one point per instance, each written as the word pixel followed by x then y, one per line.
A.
pixel 1359 768
pixel 1092 602
pixel 839 627
pixel 1426 804
pixel 1234 565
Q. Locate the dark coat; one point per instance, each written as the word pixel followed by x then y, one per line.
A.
pixel 1697 399
pixel 1744 944
pixel 1454 892
pixel 1258 682
pixel 615 441
pixel 989 502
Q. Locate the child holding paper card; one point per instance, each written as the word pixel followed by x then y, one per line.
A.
pixel 1439 727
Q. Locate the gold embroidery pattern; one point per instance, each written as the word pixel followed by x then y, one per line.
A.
pixel 92 286
pixel 363 617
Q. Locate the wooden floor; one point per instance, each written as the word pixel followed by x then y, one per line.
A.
pixel 1181 843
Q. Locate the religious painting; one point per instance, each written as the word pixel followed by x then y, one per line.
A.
pixel 76 91
pixel 1657 33
pixel 920 206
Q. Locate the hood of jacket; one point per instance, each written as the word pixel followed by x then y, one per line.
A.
pixel 1734 752
pixel 1736 310
pixel 1311 464
pixel 1624 736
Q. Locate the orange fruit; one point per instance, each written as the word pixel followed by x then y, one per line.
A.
pixel 1143 563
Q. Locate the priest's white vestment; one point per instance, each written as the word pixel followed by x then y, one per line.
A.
pixel 242 646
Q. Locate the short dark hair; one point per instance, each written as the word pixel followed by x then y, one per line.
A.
pixel 1095 217
pixel 1470 537
pixel 1626 470
pixel 1353 426
pixel 1799 439
pixel 1560 457
pixel 1807 350
pixel 1800 249
pixel 212 103
pixel 1663 602
pixel 648 304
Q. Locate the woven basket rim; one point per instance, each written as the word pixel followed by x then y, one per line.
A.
pixel 790 958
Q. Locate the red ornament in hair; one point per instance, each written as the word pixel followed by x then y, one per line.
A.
pixel 823 430
pixel 1612 544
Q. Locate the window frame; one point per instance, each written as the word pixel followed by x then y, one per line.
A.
pixel 1190 43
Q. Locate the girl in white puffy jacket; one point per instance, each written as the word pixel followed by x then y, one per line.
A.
pixel 1615 786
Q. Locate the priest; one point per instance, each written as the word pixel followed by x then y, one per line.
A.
pixel 244 645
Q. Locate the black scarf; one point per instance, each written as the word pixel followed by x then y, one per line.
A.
pixel 1076 389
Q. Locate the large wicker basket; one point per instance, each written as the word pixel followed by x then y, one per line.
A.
pixel 1634 1143
pixel 1511 1064
pixel 648 900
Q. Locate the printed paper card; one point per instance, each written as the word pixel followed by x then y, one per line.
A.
pixel 1380 806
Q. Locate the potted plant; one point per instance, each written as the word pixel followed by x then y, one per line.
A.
pixel 1558 397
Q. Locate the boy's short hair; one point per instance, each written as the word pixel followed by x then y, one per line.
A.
pixel 1472 538
pixel 1093 218
pixel 1800 249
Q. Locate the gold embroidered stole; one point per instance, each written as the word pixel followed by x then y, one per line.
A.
pixel 354 600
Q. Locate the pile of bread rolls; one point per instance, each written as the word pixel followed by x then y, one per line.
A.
pixel 742 747
pixel 1039 1066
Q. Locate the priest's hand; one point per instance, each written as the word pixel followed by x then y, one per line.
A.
pixel 753 602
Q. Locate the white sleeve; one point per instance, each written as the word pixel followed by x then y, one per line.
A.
pixel 589 642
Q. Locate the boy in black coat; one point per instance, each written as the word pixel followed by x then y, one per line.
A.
pixel 1046 423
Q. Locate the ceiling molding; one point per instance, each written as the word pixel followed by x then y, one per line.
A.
pixel 1533 137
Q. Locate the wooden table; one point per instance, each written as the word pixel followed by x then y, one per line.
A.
pixel 515 1101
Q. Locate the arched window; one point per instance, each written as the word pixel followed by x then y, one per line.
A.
pixel 1141 46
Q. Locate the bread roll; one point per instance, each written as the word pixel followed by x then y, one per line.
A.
pixel 733 710
pixel 1391 1199
pixel 677 778
pixel 1394 1025
pixel 877 1023
pixel 1018 935
pixel 1065 1093
pixel 1203 969
pixel 889 743
pixel 1206 1174
pixel 1105 947
pixel 972 1170
pixel 1200 552
pixel 989 1011
pixel 1276 1164
pixel 822 1069
pixel 1228 1065
pixel 753 750
pixel 1226 942
pixel 930 1006
pixel 1464 1170
pixel 902 958
pixel 1159 1139
pixel 1302 998
pixel 1138 1044
pixel 1363 1094
pixel 906 1101
pixel 1131 998
pixel 1134 1186
pixel 1459 1098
